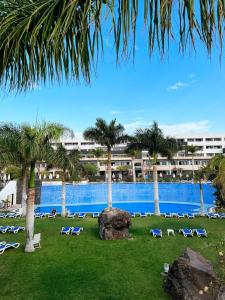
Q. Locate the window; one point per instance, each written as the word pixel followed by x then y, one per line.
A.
pixel 71 144
pixel 199 140
pixel 190 140
pixel 217 139
pixel 209 139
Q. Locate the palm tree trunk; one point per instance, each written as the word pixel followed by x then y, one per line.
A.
pixel 156 190
pixel 193 172
pixel 202 213
pixel 133 170
pixel 24 191
pixel 63 212
pixel 109 180
pixel 30 211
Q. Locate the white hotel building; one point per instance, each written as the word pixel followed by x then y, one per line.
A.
pixel 209 145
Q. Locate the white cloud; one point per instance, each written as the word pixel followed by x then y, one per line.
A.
pixel 177 86
pixel 120 112
pixel 171 129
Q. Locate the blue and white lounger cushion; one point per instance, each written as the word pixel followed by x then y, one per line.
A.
pixel 39 215
pixel 11 215
pixel 156 232
pixel 133 215
pixel 222 215
pixel 143 214
pixel 95 215
pixel 186 232
pixel 15 229
pixel 190 216
pixel 2 215
pixel 168 215
pixel 212 216
pixel 4 246
pixel 180 215
pixel 71 215
pixel 76 230
pixel 81 215
pixel 66 230
pixel 200 232
pixel 4 229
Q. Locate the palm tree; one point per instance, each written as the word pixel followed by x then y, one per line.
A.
pixel 134 153
pixel 107 135
pixel 67 35
pixel 152 140
pixel 98 153
pixel 13 151
pixel 192 149
pixel 68 163
pixel 200 175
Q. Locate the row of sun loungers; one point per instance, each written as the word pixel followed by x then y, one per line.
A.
pixel 4 246
pixel 11 229
pixel 71 230
pixel 70 215
pixel 186 232
pixel 216 215
pixel 11 215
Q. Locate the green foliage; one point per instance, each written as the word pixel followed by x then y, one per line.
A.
pixel 89 169
pixel 68 267
pixel 14 171
pixel 48 40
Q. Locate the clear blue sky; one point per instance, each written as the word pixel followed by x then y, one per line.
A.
pixel 182 93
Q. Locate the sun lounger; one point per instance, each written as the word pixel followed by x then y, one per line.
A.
pixel 180 215
pixel 39 215
pixel 156 232
pixel 222 215
pixel 168 215
pixel 133 214
pixel 71 215
pixel 212 216
pixel 2 215
pixel 143 214
pixel 52 215
pixel 15 229
pixel 4 246
pixel 4 229
pixel 200 232
pixel 190 216
pixel 95 215
pixel 186 232
pixel 76 230
pixel 37 240
pixel 66 230
pixel 81 215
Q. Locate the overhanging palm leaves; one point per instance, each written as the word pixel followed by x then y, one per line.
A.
pixel 56 39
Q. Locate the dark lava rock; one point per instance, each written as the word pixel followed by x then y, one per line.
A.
pixel 114 224
pixel 191 277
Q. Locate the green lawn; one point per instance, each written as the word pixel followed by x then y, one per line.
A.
pixel 84 267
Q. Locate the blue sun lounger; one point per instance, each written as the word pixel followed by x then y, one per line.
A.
pixel 222 215
pixel 76 230
pixel 4 229
pixel 186 232
pixel 81 215
pixel 168 215
pixel 180 215
pixel 2 215
pixel 66 230
pixel 15 229
pixel 156 232
pixel 39 216
pixel 95 215
pixel 212 216
pixel 4 246
pixel 143 214
pixel 190 216
pixel 133 214
pixel 71 215
pixel 200 232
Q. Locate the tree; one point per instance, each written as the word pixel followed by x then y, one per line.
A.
pixel 215 171
pixel 200 175
pixel 98 153
pixel 68 163
pixel 134 153
pixel 13 151
pixel 152 140
pixel 89 169
pixel 50 40
pixel 107 135
pixel 192 149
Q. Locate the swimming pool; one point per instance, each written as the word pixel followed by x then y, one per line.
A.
pixel 134 197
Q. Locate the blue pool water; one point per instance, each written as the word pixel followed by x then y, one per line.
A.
pixel 173 197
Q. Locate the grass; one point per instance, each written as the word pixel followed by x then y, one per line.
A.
pixel 84 267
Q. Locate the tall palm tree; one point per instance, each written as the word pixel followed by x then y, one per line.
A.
pixel 192 149
pixel 67 35
pixel 68 163
pixel 152 140
pixel 98 153
pixel 13 151
pixel 107 135
pixel 200 175
pixel 134 153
